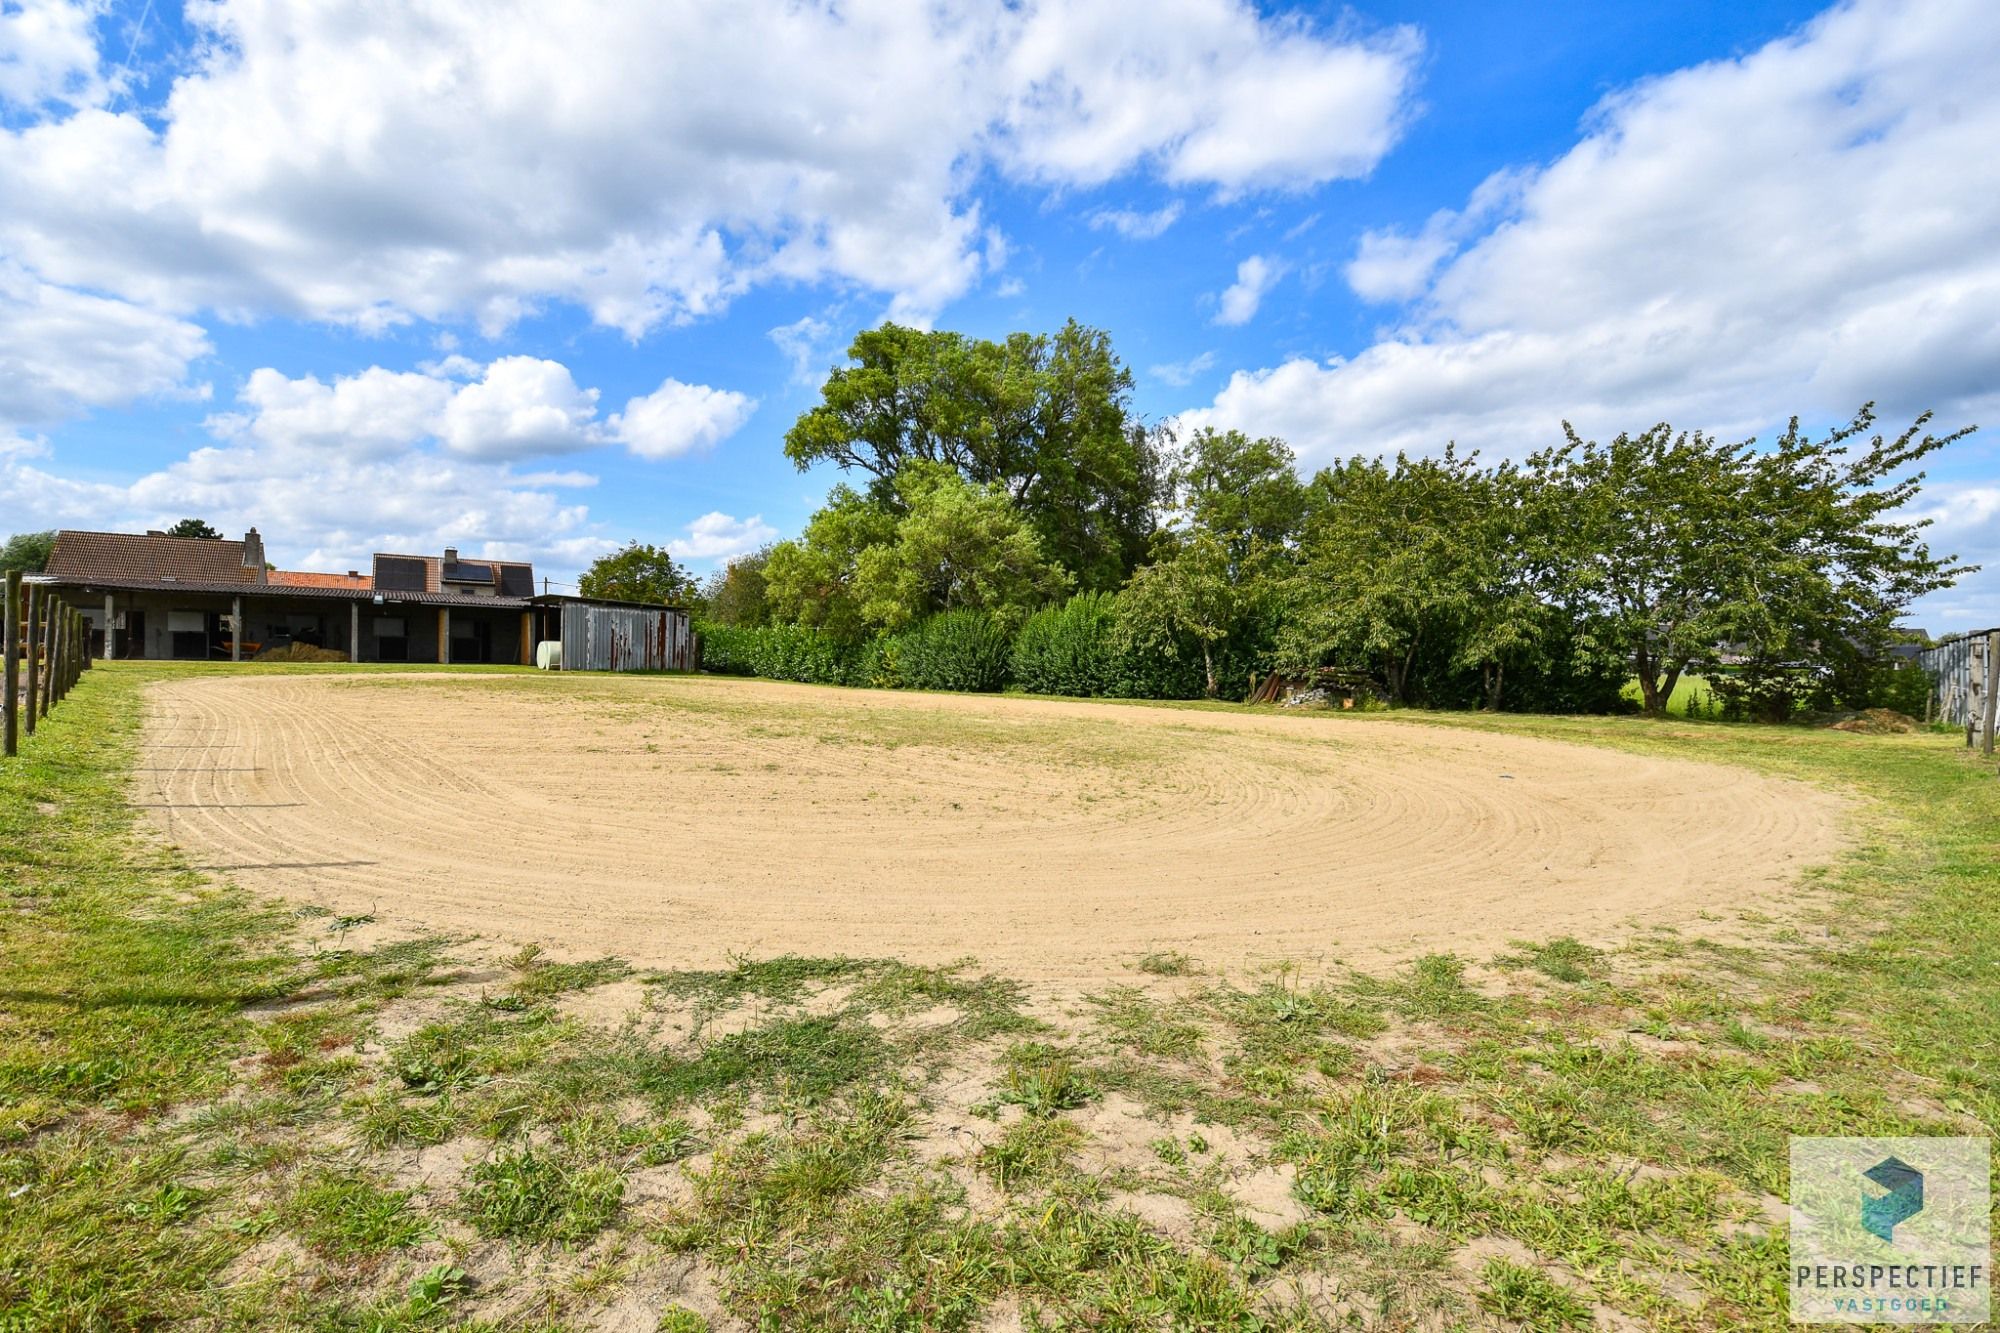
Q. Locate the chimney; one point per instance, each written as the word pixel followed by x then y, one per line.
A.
pixel 451 555
pixel 253 553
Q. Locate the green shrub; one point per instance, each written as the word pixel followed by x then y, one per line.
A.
pixel 776 652
pixel 1070 649
pixel 954 650
pixel 879 665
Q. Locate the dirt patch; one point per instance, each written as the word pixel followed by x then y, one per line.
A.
pixel 678 821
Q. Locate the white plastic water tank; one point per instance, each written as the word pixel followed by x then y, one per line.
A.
pixel 548 655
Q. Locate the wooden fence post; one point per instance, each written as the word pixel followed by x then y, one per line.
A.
pixel 58 659
pixel 10 728
pixel 1993 695
pixel 47 654
pixel 31 634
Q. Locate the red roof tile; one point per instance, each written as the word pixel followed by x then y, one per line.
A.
pixel 301 578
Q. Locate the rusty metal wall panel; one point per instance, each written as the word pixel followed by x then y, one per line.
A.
pixel 625 638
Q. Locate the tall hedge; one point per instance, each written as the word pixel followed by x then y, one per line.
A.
pixel 953 650
pixel 1070 649
pixel 778 652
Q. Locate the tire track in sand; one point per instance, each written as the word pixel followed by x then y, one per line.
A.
pixel 675 821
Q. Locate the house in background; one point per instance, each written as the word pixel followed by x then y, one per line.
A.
pixel 154 596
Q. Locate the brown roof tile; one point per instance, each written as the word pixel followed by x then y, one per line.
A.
pixel 81 557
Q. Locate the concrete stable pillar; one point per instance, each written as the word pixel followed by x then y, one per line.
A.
pixel 110 628
pixel 444 635
pixel 236 634
pixel 354 631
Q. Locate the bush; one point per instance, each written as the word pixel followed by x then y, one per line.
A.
pixel 777 652
pixel 954 650
pixel 879 666
pixel 1070 649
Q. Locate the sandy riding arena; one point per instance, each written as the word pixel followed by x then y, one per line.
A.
pixel 673 821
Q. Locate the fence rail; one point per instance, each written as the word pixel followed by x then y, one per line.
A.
pixel 47 651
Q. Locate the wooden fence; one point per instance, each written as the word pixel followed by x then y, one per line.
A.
pixel 47 652
pixel 1965 684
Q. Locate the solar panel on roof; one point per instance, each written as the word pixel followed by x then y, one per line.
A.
pixel 398 573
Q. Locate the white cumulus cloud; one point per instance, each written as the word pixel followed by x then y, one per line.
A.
pixel 718 537
pixel 1810 226
pixel 524 407
pixel 679 418
pixel 648 163
pixel 1255 276
pixel 61 349
pixel 48 53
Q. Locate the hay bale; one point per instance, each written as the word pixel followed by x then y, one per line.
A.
pixel 300 652
pixel 1878 722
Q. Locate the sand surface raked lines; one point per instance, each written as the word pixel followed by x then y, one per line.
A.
pixel 674 821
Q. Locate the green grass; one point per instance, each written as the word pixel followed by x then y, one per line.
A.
pixel 347 1216
pixel 1689 692
pixel 542 1195
pixel 1528 1140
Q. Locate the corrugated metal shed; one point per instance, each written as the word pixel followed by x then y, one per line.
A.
pixel 1960 676
pixel 615 636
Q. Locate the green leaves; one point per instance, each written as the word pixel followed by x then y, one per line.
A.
pixel 1670 546
pixel 936 542
pixel 1044 418
pixel 636 573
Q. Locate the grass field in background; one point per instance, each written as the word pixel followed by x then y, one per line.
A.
pixel 1687 690
pixel 217 1112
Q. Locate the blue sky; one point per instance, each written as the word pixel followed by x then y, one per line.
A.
pixel 536 282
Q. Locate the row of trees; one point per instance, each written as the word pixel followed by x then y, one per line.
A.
pixel 1012 482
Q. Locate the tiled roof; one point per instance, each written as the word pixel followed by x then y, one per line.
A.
pixel 102 556
pixel 300 578
pixel 253 593
pixel 125 560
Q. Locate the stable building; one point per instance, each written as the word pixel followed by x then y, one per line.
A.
pixel 154 596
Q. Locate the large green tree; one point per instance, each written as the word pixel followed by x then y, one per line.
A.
pixel 638 573
pixel 735 595
pixel 1671 546
pixel 1243 492
pixel 936 543
pixel 1045 418
pixel 1422 557
pixel 194 527
pixel 811 580
pixel 1189 591
pixel 27 552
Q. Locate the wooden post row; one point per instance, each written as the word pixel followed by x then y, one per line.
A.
pixel 10 724
pixel 32 636
pixel 58 659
